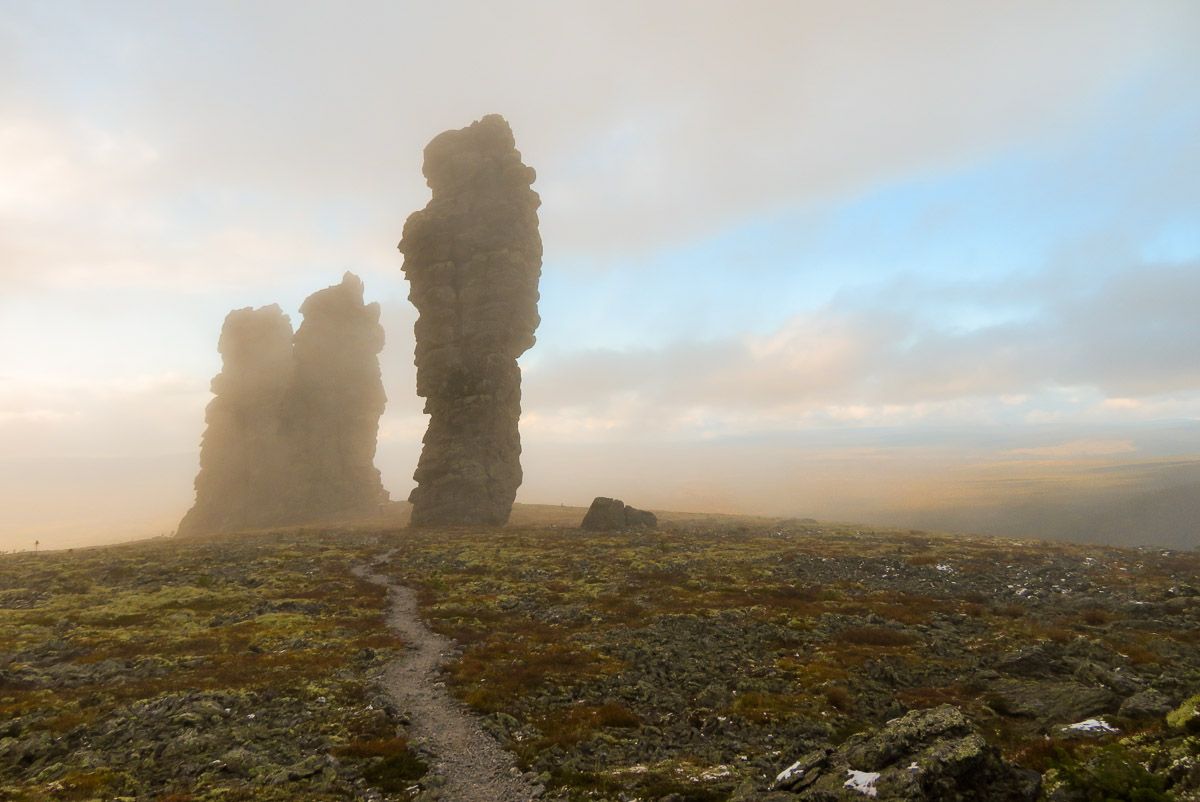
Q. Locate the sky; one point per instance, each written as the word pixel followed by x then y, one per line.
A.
pixel 864 261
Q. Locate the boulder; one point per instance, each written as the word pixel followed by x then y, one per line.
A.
pixel 1049 701
pixel 926 755
pixel 1146 704
pixel 608 514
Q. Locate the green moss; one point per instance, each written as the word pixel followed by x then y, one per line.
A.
pixel 1113 774
pixel 1186 716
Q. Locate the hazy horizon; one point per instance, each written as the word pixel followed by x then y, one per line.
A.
pixel 930 266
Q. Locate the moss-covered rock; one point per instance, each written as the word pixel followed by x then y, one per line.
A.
pixel 1186 716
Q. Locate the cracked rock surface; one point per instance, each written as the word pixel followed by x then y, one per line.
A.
pixel 473 258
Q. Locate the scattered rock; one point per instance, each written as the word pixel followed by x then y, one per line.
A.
pixel 1145 704
pixel 607 514
pixel 1049 700
pixel 473 257
pixel 933 754
pixel 803 772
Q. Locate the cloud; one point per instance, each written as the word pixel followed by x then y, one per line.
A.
pixel 160 165
pixel 1110 343
pixel 649 123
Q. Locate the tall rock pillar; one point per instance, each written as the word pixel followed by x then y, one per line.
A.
pixel 336 404
pixel 291 433
pixel 245 455
pixel 473 257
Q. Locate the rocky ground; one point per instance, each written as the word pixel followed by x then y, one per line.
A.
pixel 778 661
pixel 698 663
pixel 235 669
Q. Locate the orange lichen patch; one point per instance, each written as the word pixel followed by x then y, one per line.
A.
pixel 764 707
pixel 907 608
pixel 499 670
pixel 1043 754
pixel 918 698
pixel 838 698
pixel 373 747
pixel 1058 635
pixel 814 673
pixel 70 719
pixel 882 637
pixel 1009 611
pixel 93 784
pixel 1140 655
pixel 577 723
pixel 1096 616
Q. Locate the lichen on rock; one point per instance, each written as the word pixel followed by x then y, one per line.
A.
pixel 933 754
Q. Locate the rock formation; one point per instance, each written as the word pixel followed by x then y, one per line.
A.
pixel 934 754
pixel 336 403
pixel 607 514
pixel 245 456
pixel 473 258
pixel 291 433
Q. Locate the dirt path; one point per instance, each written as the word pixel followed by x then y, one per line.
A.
pixel 473 766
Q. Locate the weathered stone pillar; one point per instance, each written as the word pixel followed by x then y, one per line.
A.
pixel 336 404
pixel 245 456
pixel 473 258
pixel 292 431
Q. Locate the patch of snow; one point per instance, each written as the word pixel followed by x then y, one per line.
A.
pixel 1091 725
pixel 944 568
pixel 862 781
pixel 789 773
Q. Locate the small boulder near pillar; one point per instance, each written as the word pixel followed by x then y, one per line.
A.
pixel 608 514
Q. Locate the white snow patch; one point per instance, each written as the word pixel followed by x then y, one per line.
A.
pixel 1091 725
pixel 791 772
pixel 944 568
pixel 862 781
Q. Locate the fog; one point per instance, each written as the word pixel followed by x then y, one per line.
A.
pixel 931 267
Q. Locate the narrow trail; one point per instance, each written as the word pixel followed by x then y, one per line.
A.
pixel 473 766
